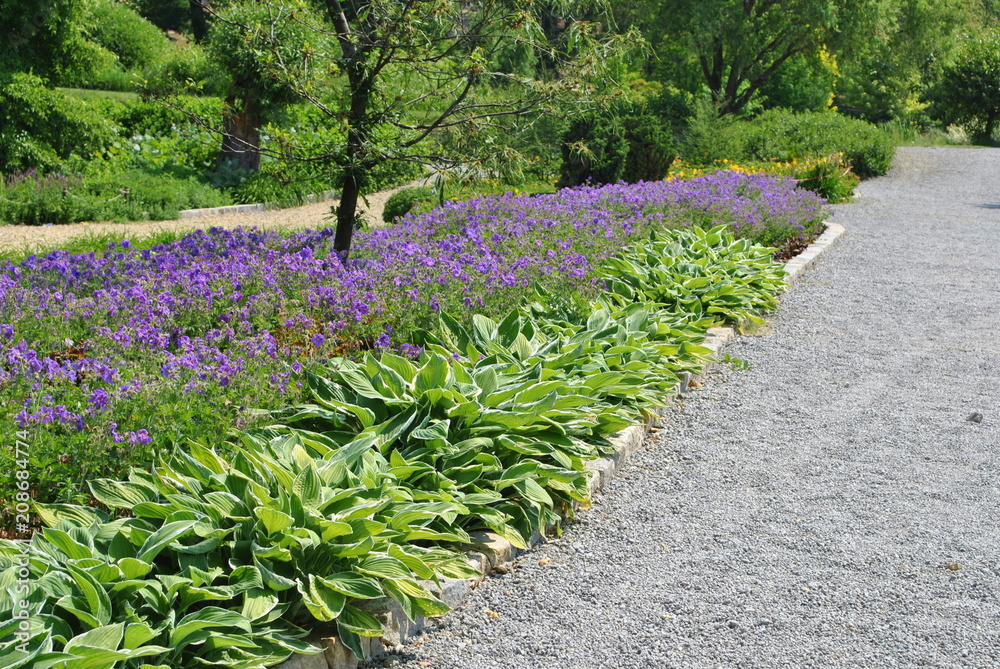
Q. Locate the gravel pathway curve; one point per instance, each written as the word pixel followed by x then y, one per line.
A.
pixel 39 238
pixel 832 506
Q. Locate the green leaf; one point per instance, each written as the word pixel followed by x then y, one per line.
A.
pixel 208 617
pixel 437 431
pixel 121 495
pixel 350 639
pixel 257 603
pixel 137 634
pixel 414 599
pixel 93 592
pixel 531 490
pixel 360 622
pixel 324 603
pixel 435 373
pixel 484 329
pixel 537 391
pixel 353 585
pixel 274 521
pixel 487 380
pixel 133 568
pixel 162 537
pixel 307 486
pixel 383 566
pixel 522 347
pixel 229 505
pixel 51 514
pixel 108 637
pixel 406 369
pixel 509 328
pixel 67 544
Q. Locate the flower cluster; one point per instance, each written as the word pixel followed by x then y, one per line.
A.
pixel 149 346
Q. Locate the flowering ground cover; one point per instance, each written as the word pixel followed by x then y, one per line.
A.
pixel 108 358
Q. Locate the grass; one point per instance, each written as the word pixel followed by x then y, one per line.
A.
pixel 482 188
pixel 911 134
pixel 91 94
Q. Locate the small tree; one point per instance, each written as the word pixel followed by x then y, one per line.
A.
pixel 969 92
pixel 418 81
pixel 265 49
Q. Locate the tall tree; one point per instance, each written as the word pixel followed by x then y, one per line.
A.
pixel 415 80
pixel 890 50
pixel 739 44
pixel 969 92
pixel 265 48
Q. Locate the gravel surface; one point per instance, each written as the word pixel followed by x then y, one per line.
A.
pixel 15 237
pixel 836 505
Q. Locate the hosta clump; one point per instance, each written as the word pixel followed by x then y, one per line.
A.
pixel 220 560
pixel 703 273
pixel 506 442
pixel 626 356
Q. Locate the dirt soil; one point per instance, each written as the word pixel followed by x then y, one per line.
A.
pixel 17 237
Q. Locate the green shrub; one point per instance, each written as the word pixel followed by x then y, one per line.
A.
pixel 708 137
pixel 41 128
pixel 29 198
pixel 104 193
pixel 134 195
pixel 803 83
pixel 784 135
pixel 831 179
pixel 121 30
pixel 403 201
pixel 157 119
pixel 218 561
pixel 605 148
pixel 186 66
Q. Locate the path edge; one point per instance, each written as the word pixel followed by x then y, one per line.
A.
pixel 493 552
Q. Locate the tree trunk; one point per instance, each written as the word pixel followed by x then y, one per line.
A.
pixel 240 135
pixel 991 120
pixel 346 214
pixel 199 18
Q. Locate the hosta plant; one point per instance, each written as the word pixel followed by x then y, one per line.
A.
pixel 696 272
pixel 626 356
pixel 218 561
pixel 507 442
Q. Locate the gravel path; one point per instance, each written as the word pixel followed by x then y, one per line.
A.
pixel 34 237
pixel 832 506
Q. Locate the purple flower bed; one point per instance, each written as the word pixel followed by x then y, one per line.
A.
pixel 106 357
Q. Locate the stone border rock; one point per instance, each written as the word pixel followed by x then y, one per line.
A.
pixel 492 552
pixel 325 196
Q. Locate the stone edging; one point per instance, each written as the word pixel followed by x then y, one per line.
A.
pixel 492 550
pixel 325 196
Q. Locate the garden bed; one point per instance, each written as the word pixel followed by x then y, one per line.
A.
pixel 416 420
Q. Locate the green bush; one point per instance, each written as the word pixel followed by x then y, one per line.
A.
pixel 803 83
pixel 403 201
pixel 29 198
pixel 186 66
pixel 41 128
pixel 831 179
pixel 104 193
pixel 135 195
pixel 155 118
pixel 783 135
pixel 121 30
pixel 606 148
pixel 708 137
